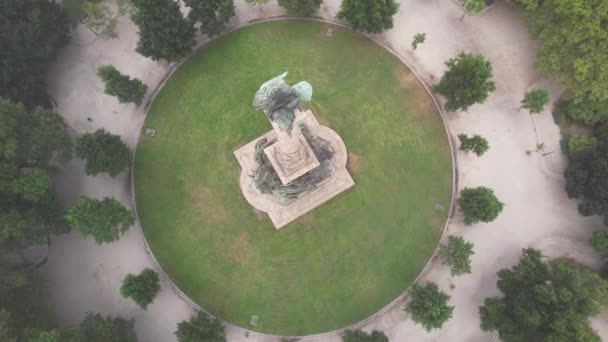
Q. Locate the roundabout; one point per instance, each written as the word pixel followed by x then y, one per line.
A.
pixel 335 265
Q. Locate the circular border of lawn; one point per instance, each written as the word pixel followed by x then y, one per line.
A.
pixel 454 183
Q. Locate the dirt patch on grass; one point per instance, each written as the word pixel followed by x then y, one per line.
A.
pixel 259 215
pixel 420 101
pixel 238 250
pixel 354 163
pixel 210 209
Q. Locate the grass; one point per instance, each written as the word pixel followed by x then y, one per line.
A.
pixel 346 259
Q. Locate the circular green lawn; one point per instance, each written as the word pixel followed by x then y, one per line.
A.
pixel 346 259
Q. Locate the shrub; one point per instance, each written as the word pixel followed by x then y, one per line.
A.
pixel 103 152
pixel 104 220
pixel 362 336
pixel 579 143
pixel 466 82
pixel 429 306
pixel 599 241
pixel 370 16
pixel 479 205
pixel 200 327
pixel 476 143
pixel 535 100
pixel 588 112
pixel 457 255
pixel 142 288
pixel 122 86
pixel 301 8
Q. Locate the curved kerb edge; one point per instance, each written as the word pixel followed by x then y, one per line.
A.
pixel 389 306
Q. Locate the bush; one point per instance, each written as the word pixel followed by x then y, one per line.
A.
pixel 476 143
pixel 142 288
pixel 466 82
pixel 200 328
pixel 535 100
pixel 457 255
pixel 479 205
pixel 588 112
pixel 362 336
pixel 122 86
pixel 579 143
pixel 104 220
pixel 103 152
pixel 370 16
pixel 301 8
pixel 599 241
pixel 429 306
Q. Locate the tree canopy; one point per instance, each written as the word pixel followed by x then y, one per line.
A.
pixel 142 288
pixel 535 100
pixel 587 174
pixel 212 15
pixel 588 112
pixel 362 336
pixel 32 33
pixel 103 152
pixel 467 81
pixel 104 220
pixel 29 140
pixel 301 8
pixel 456 254
pixel 476 143
pixel 479 205
pixel 97 328
pixel 200 327
pixel 429 306
pixel 574 43
pixel 544 301
pixel 163 32
pixel 122 86
pixel 369 16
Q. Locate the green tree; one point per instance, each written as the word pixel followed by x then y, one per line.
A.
pixel 419 38
pixel 579 143
pixel 97 328
pixel 587 178
pixel 122 86
pixel 163 32
pixel 476 143
pixel 466 82
pixel 34 186
pixel 362 336
pixel 301 8
pixel 588 112
pixel 142 288
pixel 104 220
pixel 535 100
pixel 257 2
pixel 473 7
pixel 29 140
pixel 599 241
pixel 211 14
pixel 457 255
pixel 200 327
pixel 429 306
pixel 32 33
pixel 369 16
pixel 479 205
pixel 544 301
pixel 574 43
pixel 103 152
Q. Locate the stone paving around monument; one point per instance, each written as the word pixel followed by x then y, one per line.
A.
pixel 281 213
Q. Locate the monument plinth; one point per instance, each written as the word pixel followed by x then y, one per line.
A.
pixel 298 165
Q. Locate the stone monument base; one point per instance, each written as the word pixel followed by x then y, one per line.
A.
pixel 283 212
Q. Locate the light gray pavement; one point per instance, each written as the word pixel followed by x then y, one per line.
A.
pixel 85 277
